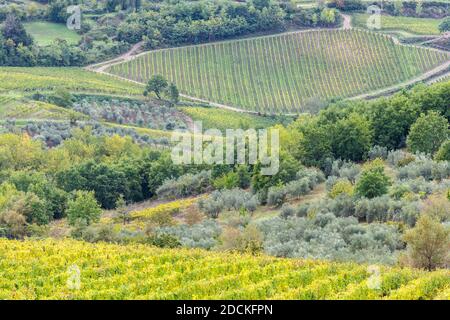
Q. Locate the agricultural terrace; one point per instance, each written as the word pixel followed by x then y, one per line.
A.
pixel 421 26
pixel 222 119
pixel 71 79
pixel 69 269
pixel 285 73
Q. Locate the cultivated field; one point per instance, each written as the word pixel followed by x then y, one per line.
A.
pixel 69 269
pixel 285 73
pixel 71 79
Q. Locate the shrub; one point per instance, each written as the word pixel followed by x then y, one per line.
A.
pixel 276 196
pixel 443 154
pixel 372 182
pixel 202 235
pixel 342 186
pixel 186 185
pixel 377 152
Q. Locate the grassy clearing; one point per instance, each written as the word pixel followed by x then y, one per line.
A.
pixel 418 26
pixel 44 33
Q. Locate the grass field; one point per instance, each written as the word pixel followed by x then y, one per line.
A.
pixel 283 73
pixel 44 33
pixel 71 79
pixel 420 26
pixel 69 269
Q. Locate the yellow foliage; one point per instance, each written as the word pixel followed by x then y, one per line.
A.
pixel 69 269
pixel 172 208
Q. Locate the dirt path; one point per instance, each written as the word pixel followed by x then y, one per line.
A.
pixel 392 89
pixel 102 66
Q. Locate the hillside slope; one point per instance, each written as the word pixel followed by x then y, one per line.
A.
pixel 77 270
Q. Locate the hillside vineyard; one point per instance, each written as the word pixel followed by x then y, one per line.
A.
pixel 285 73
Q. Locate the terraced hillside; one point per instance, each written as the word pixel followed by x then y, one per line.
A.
pixel 287 73
pixel 71 79
pixel 77 270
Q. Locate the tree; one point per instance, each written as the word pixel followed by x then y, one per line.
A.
pixel 428 243
pixel 13 29
pixel 351 138
pixel 444 26
pixel 156 84
pixel 83 208
pixel 372 182
pixel 121 210
pixel 174 94
pixel 443 154
pixel 428 133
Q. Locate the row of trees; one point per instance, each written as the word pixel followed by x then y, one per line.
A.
pixel 417 119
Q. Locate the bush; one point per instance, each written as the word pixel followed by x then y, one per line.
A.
pixel 443 154
pixel 202 235
pixel 372 182
pixel 186 185
pixel 342 186
pixel 163 241
pixel 327 237
pixel 235 199
pixel 377 152
pixel 276 196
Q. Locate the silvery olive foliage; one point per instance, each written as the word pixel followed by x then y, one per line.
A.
pixel 228 200
pixel 201 235
pixel 329 237
pixel 306 180
pixel 186 185
pixel 53 133
pixel 135 112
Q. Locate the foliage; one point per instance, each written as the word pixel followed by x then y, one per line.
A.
pixel 341 186
pixel 235 276
pixel 186 185
pixel 235 199
pixel 156 84
pixel 328 237
pixel 372 182
pixel 443 154
pixel 428 243
pixel 428 133
pixel 83 208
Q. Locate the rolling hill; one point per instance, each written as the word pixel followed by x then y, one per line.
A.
pixel 287 73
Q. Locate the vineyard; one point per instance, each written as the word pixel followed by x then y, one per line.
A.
pixel 71 79
pixel 288 73
pixel 69 269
